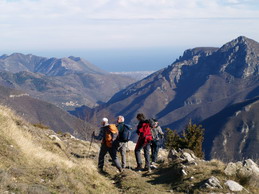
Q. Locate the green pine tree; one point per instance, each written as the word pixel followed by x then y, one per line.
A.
pixel 171 139
pixel 191 138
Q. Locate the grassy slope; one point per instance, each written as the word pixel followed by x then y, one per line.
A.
pixel 31 161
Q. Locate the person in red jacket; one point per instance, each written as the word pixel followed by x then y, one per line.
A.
pixel 144 140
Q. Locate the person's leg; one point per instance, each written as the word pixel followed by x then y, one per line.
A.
pixel 123 155
pixel 138 156
pixel 156 148
pixel 147 155
pixel 102 153
pixel 113 154
pixel 152 145
pixel 120 150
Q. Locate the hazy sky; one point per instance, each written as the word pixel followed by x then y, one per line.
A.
pixel 138 34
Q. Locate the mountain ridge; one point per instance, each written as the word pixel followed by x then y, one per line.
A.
pixel 48 66
pixel 170 84
pixel 66 82
pixel 39 112
pixel 198 85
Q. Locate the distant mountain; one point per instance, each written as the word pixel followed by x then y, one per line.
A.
pixel 18 62
pixel 137 75
pixel 40 112
pixel 196 86
pixel 67 82
pixel 233 133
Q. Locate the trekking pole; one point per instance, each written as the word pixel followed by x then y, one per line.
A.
pixel 90 144
pixel 128 158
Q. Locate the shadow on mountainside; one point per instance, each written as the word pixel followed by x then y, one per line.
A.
pixel 217 121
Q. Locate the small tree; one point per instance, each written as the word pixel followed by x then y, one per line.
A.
pixel 191 138
pixel 171 139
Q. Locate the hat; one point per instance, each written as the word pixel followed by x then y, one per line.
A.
pixel 154 120
pixel 105 120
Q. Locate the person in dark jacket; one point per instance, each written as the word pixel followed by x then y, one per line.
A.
pixel 105 148
pixel 145 137
pixel 122 147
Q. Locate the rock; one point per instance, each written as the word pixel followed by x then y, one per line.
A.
pixel 54 137
pixel 251 165
pixel 245 172
pixel 184 172
pixel 211 183
pixel 234 186
pixel 162 154
pixel 193 156
pixel 173 154
pixel 231 169
pixel 248 171
pixel 188 157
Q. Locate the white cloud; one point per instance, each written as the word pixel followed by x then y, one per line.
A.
pixel 121 23
pixel 125 9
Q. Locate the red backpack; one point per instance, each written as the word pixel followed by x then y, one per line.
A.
pixel 145 133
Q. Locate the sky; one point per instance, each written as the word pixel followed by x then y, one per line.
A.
pixel 123 35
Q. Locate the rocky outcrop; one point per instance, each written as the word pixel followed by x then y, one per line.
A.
pixel 247 171
pixel 231 133
pixel 211 176
pixel 185 156
pixel 234 186
pixel 212 183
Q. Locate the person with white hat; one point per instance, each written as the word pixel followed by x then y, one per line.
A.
pixel 108 134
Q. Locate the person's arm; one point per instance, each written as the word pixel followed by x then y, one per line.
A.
pixel 160 132
pixel 114 136
pixel 138 127
pixel 100 135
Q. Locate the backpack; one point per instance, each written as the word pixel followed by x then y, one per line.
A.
pixel 111 134
pixel 152 123
pixel 145 133
pixel 156 134
pixel 125 134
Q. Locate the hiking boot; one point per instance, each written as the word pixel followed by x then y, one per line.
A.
pixel 120 170
pixel 147 169
pixel 100 170
pixel 138 168
pixel 153 165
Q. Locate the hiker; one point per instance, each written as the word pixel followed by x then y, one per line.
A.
pixel 124 137
pixel 108 134
pixel 145 137
pixel 157 135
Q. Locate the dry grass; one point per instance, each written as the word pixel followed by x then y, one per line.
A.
pixel 23 140
pixel 31 163
pixel 40 125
